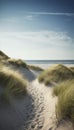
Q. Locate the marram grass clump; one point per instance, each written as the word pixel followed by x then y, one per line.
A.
pixel 36 68
pixel 55 74
pixel 3 56
pixel 72 69
pixel 65 105
pixel 12 83
pixel 17 63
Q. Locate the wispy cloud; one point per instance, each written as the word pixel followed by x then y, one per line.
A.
pixel 41 37
pixel 51 13
pixel 28 17
pixel 38 45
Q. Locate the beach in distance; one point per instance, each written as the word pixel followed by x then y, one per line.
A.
pixel 47 63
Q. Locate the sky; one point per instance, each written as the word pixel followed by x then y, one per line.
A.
pixel 37 29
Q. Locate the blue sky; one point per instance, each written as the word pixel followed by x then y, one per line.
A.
pixel 37 29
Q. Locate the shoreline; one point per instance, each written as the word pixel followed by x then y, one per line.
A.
pixel 45 66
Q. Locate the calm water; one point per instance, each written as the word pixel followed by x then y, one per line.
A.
pixel 46 63
pixel 50 61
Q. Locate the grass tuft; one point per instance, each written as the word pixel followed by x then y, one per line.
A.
pixel 17 63
pixel 65 106
pixel 3 56
pixel 12 83
pixel 72 69
pixel 55 74
pixel 37 68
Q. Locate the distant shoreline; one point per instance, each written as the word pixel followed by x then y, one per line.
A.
pixel 47 63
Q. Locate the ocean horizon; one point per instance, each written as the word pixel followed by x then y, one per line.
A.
pixel 50 61
pixel 46 63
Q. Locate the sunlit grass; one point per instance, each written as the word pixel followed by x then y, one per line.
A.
pixel 12 83
pixel 37 68
pixel 3 56
pixel 55 74
pixel 65 105
pixel 72 69
pixel 17 63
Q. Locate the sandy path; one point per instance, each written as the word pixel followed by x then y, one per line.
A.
pixel 45 118
pixel 42 116
pixel 48 103
pixel 34 112
pixel 36 120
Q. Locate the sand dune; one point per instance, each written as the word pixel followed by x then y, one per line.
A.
pixel 36 111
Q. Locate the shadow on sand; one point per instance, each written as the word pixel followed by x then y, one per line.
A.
pixel 18 114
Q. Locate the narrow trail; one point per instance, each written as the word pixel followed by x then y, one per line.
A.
pixel 34 112
pixel 45 115
pixel 48 103
pixel 38 112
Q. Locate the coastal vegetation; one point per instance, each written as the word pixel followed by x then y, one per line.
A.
pixel 56 74
pixel 36 68
pixel 12 83
pixel 72 69
pixel 65 105
pixel 17 63
pixel 3 56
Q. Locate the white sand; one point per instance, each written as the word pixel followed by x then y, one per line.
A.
pixel 35 112
pixel 49 105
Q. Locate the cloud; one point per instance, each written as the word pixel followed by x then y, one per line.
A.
pixel 17 20
pixel 47 38
pixel 37 45
pixel 28 17
pixel 42 38
pixel 51 13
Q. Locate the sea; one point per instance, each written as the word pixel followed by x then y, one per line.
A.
pixel 47 63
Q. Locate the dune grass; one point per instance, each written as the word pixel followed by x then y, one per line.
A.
pixel 1 65
pixel 72 69
pixel 3 56
pixel 55 74
pixel 12 83
pixel 65 105
pixel 37 68
pixel 17 63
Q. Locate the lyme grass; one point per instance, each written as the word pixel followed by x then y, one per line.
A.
pixel 55 74
pixel 17 63
pixel 12 83
pixel 65 105
pixel 37 68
